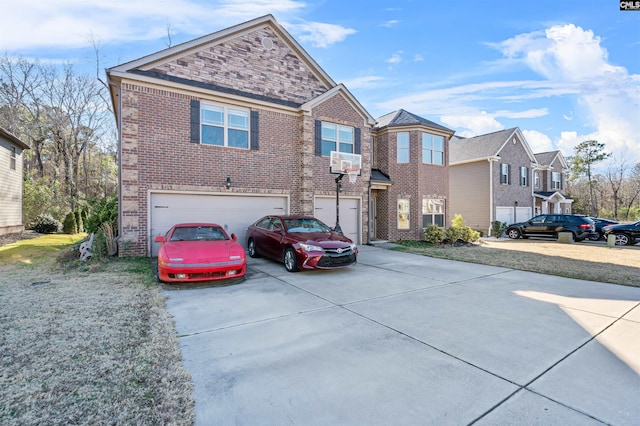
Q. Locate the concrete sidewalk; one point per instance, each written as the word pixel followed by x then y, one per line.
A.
pixel 406 339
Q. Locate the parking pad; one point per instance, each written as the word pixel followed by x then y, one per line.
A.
pixel 406 339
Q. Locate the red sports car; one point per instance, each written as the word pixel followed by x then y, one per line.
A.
pixel 300 242
pixel 199 252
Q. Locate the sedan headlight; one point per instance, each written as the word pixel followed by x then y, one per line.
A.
pixel 353 246
pixel 310 247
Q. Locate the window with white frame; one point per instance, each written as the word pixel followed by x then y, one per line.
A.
pixel 224 126
pixel 403 147
pixel 12 164
pixel 556 180
pixel 432 212
pixel 523 176
pixel 336 137
pixel 536 180
pixel 432 149
pixel 504 174
pixel 403 214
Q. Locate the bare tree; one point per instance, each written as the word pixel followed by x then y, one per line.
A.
pixel 615 175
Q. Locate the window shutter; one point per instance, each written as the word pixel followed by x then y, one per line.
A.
pixel 560 181
pixel 195 121
pixel 255 130
pixel 356 146
pixel 509 174
pixel 318 137
pixel 527 176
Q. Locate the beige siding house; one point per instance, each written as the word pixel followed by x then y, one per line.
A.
pixel 490 178
pixel 11 182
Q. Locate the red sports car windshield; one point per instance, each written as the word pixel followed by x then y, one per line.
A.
pixel 197 233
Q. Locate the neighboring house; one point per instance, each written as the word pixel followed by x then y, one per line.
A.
pixel 490 179
pixel 11 182
pixel 410 176
pixel 232 126
pixel 548 184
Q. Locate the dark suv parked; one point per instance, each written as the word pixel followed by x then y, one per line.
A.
pixel 548 225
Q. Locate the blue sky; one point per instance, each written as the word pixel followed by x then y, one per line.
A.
pixel 563 71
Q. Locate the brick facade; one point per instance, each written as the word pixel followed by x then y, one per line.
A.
pixel 244 71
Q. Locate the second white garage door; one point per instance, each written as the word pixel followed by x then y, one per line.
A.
pixel 325 210
pixel 234 212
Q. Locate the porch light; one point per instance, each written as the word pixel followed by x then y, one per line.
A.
pixel 228 182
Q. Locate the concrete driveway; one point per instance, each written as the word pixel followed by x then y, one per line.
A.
pixel 410 340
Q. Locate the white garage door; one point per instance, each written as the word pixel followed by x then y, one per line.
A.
pixel 325 210
pixel 505 214
pixel 234 212
pixel 523 214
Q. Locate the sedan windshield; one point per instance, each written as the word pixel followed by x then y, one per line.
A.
pixel 198 233
pixel 305 225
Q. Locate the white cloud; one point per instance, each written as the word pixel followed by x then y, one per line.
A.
pixel 390 23
pixel 538 142
pixel 418 58
pixel 473 125
pixel 320 34
pixel 367 82
pixel 70 23
pixel 395 58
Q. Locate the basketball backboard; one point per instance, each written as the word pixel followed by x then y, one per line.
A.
pixel 342 163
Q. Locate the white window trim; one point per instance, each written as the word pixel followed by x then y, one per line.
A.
pixel 432 149
pixel 523 176
pixel 556 184
pixel 408 213
pixel 536 179
pixel 226 126
pixel 433 214
pixel 408 148
pixel 338 141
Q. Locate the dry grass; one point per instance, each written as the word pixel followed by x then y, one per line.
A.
pixel 88 344
pixel 586 261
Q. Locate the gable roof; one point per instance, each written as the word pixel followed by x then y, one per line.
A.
pixel 405 118
pixel 484 147
pixel 340 88
pixel 546 159
pixel 146 63
pixel 13 139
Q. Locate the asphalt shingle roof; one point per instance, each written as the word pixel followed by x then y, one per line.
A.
pixel 405 118
pixel 478 147
pixel 546 158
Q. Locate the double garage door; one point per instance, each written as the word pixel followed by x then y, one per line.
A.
pixel 506 214
pixel 234 212
pixel 325 210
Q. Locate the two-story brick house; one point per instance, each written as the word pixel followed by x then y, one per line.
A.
pixel 11 182
pixel 232 126
pixel 410 177
pixel 548 184
pixel 490 178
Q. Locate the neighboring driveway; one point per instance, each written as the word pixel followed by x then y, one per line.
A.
pixel 406 339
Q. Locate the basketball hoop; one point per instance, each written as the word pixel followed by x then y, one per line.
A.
pixel 352 174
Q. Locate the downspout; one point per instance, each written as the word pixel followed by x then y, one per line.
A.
pixel 490 195
pixel 119 159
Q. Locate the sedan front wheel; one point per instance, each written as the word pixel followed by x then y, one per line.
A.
pixel 513 233
pixel 290 260
pixel 622 240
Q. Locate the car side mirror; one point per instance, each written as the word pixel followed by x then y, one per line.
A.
pixel 277 230
pixel 159 239
pixel 233 237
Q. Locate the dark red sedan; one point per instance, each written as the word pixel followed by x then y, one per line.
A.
pixel 300 242
pixel 199 252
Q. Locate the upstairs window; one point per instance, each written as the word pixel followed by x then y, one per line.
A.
pixel 336 137
pixel 524 173
pixel 505 174
pixel 536 180
pixel 556 180
pixel 12 164
pixel 403 147
pixel 224 126
pixel 432 149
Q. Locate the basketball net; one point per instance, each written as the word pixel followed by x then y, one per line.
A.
pixel 352 173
